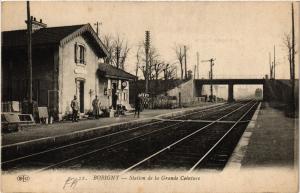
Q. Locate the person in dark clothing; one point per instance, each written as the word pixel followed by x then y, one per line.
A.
pixel 137 106
pixel 75 108
pixel 96 110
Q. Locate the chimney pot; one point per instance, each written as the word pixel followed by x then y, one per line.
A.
pixel 34 19
pixel 41 21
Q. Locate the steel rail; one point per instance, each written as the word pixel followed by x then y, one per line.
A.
pixel 200 121
pixel 109 146
pixel 103 148
pixel 219 141
pixel 104 136
pixel 180 140
pixel 19 143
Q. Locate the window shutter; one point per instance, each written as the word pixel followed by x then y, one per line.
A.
pixel 75 52
pixel 81 54
pixel 84 52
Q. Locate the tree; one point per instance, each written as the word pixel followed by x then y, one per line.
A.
pixel 185 62
pixel 290 44
pixel 108 42
pixel 170 72
pixel 287 41
pixel 121 52
pixel 138 60
pixel 180 54
pixel 158 68
pixel 118 50
pixel 155 64
pixel 141 59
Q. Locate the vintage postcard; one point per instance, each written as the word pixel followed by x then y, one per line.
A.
pixel 149 96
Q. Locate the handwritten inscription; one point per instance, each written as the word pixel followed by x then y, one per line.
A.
pixel 72 182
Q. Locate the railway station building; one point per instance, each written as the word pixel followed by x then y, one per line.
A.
pixel 65 62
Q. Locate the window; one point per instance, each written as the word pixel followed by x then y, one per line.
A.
pixel 81 56
pixel 79 53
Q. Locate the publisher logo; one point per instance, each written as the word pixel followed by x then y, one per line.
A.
pixel 23 178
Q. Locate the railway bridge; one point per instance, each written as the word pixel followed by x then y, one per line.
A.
pixel 230 82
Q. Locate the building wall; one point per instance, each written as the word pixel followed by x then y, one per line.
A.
pixel 55 70
pixel 104 99
pixel 187 91
pixel 14 74
pixel 280 91
pixel 70 71
pixel 156 87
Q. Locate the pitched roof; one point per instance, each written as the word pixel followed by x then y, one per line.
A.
pixel 50 35
pixel 113 72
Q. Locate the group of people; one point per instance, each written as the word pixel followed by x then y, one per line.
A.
pixel 96 107
pixel 75 108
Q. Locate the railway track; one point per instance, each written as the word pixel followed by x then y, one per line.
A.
pixel 60 154
pixel 209 148
pixel 125 154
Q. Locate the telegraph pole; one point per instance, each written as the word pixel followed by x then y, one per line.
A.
pixel 97 27
pixel 211 76
pixel 293 43
pixel 29 52
pixel 195 67
pixel 198 65
pixel 293 62
pixel 274 64
pixel 270 63
pixel 147 47
pixel 185 71
pixel 272 70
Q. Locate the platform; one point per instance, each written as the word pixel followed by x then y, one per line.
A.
pixel 271 139
pixel 39 132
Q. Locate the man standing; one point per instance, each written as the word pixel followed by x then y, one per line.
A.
pixel 96 104
pixel 137 105
pixel 75 108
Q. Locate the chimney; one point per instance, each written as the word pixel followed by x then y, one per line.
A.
pixel 36 25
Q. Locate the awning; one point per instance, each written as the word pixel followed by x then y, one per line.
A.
pixel 109 71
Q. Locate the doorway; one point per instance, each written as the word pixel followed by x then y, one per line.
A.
pixel 81 96
pixel 114 96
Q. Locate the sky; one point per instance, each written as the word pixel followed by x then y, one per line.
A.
pixel 239 35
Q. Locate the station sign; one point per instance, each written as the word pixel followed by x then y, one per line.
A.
pixel 145 95
pixel 124 83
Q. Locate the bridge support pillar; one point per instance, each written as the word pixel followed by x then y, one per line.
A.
pixel 265 97
pixel 230 93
